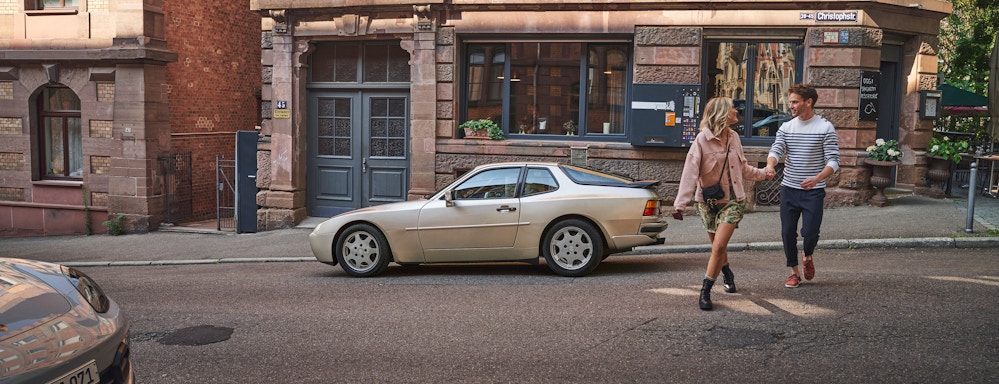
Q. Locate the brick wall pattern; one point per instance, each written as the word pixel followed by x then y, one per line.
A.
pixel 11 161
pixel 10 125
pixel 101 128
pixel 11 194
pixel 214 87
pixel 9 7
pixel 99 199
pixel 6 90
pixel 98 5
pixel 105 92
pixel 100 165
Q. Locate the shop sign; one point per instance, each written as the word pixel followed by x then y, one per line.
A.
pixel 825 16
pixel 869 83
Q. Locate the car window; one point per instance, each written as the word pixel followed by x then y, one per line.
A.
pixel 591 177
pixel 539 180
pixel 489 184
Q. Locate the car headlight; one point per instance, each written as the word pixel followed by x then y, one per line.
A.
pixel 88 288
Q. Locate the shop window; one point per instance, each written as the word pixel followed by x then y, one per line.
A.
pixel 61 145
pixel 548 88
pixel 756 75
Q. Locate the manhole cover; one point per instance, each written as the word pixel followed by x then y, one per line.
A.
pixel 739 338
pixel 199 335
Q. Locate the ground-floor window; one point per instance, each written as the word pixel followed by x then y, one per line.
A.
pixel 61 144
pixel 548 88
pixel 756 75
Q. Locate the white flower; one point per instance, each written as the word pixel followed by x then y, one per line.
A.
pixel 935 148
pixel 879 142
pixel 871 149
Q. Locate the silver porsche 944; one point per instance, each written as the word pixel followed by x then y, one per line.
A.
pixel 572 217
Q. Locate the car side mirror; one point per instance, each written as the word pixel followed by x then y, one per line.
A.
pixel 449 198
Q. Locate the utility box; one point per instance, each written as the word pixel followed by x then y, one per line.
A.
pixel 665 115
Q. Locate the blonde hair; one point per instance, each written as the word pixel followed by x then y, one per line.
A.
pixel 716 114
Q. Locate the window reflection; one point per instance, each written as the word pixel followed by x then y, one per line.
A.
pixel 548 84
pixel 760 97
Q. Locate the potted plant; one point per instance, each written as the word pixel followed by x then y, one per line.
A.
pixel 941 153
pixel 482 129
pixel 882 156
pixel 569 127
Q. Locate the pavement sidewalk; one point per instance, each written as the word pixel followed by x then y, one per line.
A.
pixel 909 222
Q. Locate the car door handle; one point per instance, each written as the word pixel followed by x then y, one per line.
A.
pixel 506 208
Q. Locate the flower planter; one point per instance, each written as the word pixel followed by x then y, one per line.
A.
pixel 880 179
pixel 938 173
pixel 480 134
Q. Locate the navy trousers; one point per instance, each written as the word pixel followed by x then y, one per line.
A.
pixel 805 205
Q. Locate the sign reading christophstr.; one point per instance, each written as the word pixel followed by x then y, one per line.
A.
pixel 869 83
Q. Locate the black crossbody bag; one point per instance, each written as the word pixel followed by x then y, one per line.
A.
pixel 715 192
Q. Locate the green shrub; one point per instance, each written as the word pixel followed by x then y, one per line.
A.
pixel 114 225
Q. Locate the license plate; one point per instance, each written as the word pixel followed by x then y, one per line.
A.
pixel 87 374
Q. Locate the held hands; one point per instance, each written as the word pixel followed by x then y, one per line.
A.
pixel 771 173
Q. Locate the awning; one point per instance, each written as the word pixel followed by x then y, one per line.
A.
pixel 957 97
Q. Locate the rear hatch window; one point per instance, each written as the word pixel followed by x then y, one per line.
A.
pixel 587 176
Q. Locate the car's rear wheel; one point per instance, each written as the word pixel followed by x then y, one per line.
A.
pixel 573 248
pixel 362 251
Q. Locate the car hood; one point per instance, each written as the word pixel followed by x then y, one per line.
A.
pixel 27 300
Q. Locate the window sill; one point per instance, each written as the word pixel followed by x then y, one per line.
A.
pixel 59 11
pixel 58 183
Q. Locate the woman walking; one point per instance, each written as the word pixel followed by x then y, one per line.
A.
pixel 713 176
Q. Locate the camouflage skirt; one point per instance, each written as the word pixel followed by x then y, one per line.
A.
pixel 730 212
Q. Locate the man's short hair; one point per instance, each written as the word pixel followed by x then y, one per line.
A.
pixel 806 92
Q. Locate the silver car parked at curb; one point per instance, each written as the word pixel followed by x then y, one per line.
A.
pixel 58 327
pixel 572 217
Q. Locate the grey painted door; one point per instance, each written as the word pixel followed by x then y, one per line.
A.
pixel 358 145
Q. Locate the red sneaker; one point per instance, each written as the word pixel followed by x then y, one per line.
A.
pixel 809 269
pixel 793 281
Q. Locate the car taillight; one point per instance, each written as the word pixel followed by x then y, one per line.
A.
pixel 651 208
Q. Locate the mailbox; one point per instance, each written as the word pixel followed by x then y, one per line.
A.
pixel 665 115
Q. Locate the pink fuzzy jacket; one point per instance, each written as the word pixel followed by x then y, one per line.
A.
pixel 704 166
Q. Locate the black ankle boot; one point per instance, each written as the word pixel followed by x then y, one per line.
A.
pixel 705 300
pixel 729 279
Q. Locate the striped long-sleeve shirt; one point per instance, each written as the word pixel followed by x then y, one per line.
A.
pixel 810 146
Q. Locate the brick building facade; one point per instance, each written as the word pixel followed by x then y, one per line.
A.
pixel 571 81
pixel 99 98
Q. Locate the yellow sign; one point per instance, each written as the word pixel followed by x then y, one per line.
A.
pixel 282 113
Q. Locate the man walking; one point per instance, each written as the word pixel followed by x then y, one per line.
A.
pixel 811 148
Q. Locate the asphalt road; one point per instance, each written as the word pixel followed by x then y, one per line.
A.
pixel 871 315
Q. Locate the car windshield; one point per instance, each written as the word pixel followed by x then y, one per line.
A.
pixel 592 177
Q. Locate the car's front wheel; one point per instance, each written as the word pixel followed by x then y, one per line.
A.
pixel 572 248
pixel 362 251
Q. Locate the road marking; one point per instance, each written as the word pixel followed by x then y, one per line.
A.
pixel 967 280
pixel 801 309
pixel 745 306
pixel 675 291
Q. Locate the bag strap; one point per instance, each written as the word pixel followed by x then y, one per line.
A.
pixel 725 165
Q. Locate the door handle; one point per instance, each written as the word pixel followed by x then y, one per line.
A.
pixel 364 165
pixel 506 208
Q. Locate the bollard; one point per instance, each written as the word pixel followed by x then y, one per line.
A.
pixel 972 191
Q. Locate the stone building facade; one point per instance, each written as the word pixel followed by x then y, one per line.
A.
pixel 101 99
pixel 613 85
